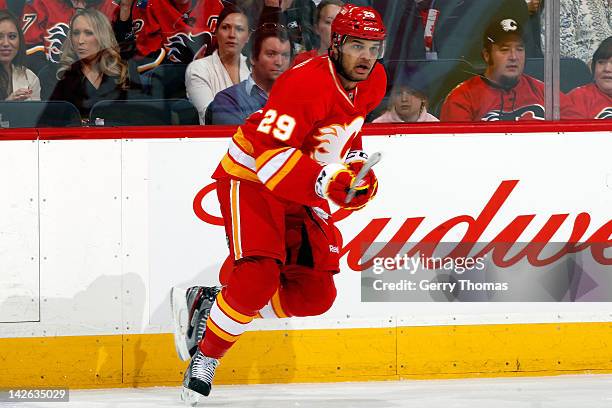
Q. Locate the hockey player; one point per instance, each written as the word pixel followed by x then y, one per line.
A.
pixel 504 92
pixel 174 31
pixel 594 101
pixel 45 25
pixel 283 165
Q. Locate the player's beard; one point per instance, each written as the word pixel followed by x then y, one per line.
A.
pixel 508 82
pixel 346 74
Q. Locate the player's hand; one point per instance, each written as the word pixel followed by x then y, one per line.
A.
pixel 334 182
pixel 355 161
pixel 20 94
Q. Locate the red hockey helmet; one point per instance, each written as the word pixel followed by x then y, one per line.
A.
pixel 361 22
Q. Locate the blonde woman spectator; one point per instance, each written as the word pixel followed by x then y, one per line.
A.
pixel 17 83
pixel 325 14
pixel 91 69
pixel 226 66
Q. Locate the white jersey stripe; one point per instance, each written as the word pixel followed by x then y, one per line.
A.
pixel 274 164
pixel 239 156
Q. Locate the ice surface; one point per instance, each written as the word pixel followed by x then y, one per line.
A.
pixel 575 391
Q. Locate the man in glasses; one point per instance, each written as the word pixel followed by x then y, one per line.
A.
pixel 283 166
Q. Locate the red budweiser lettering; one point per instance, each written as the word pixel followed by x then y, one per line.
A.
pixel 499 248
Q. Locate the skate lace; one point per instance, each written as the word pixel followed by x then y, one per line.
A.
pixel 204 368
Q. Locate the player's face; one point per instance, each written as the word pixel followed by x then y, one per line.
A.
pixel 9 42
pixel 274 59
pixel 603 75
pixel 359 57
pixel 506 61
pixel 233 34
pixel 84 39
pixel 323 27
pixel 407 103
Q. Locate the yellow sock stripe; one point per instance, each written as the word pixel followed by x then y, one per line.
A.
pixel 276 306
pixel 228 310
pixel 235 219
pixel 210 325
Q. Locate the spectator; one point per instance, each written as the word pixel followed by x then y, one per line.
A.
pixel 17 83
pixel 271 56
pixel 534 31
pixel 594 101
pixel 584 25
pixel 45 25
pixel 408 103
pixel 504 92
pixel 91 68
pixel 325 14
pixel 442 29
pixel 226 66
pixel 174 31
pixel 296 15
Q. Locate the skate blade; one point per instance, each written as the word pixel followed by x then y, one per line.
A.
pixel 190 397
pixel 178 303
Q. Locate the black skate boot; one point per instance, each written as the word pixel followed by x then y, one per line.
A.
pixel 198 378
pixel 190 310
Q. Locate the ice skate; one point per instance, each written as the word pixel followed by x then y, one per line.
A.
pixel 190 310
pixel 197 381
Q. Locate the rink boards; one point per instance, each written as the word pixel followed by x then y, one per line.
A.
pixel 97 225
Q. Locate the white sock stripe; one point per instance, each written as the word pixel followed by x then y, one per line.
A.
pixel 267 312
pixel 225 322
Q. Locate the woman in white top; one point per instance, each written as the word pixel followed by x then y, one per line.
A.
pixel 17 83
pixel 226 66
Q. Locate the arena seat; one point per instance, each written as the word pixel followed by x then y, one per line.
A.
pixel 168 82
pixel 573 72
pixel 144 112
pixel 28 114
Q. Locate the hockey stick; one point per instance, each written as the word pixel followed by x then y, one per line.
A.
pixel 372 160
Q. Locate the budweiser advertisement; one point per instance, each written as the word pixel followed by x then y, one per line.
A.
pixel 458 218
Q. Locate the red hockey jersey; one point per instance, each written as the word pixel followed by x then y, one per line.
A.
pixel 3 4
pixel 174 33
pixel 308 121
pixel 591 103
pixel 479 100
pixel 45 24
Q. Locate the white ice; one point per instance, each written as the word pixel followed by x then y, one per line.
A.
pixel 576 391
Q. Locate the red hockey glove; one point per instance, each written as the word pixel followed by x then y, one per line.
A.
pixel 334 183
pixel 355 160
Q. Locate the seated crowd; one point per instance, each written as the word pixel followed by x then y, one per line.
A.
pixel 449 61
